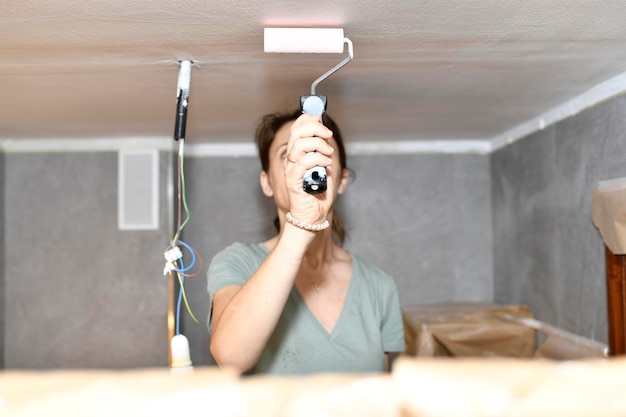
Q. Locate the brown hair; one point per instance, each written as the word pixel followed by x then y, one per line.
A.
pixel 265 133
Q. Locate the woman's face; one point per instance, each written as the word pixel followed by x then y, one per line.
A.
pixel 274 182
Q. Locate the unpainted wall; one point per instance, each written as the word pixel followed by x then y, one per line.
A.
pixel 547 252
pixel 425 219
pixel 81 294
pixel 78 292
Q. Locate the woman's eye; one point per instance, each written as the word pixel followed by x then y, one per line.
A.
pixel 283 154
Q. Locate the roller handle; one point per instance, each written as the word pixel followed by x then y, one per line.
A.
pixel 314 180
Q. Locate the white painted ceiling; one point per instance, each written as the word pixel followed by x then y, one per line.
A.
pixel 422 70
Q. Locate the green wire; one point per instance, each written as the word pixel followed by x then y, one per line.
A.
pixel 182 187
pixel 187 217
pixel 182 289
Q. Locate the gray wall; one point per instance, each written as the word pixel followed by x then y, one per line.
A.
pixel 425 219
pixel 513 227
pixel 79 293
pixel 547 252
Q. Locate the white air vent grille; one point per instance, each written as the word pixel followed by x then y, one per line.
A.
pixel 138 190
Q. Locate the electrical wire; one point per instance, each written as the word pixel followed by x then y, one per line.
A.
pixel 181 191
pixel 182 297
pixel 193 259
pixel 180 269
pixel 182 201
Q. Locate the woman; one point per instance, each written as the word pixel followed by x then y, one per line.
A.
pixel 299 303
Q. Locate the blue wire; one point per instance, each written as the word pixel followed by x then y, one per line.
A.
pixel 193 258
pixel 180 297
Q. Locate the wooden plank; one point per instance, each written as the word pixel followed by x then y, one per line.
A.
pixel 616 302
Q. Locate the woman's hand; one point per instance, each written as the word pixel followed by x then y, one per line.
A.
pixel 308 147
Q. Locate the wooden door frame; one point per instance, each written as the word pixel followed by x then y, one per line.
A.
pixel 616 301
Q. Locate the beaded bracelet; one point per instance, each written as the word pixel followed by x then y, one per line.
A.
pixel 307 226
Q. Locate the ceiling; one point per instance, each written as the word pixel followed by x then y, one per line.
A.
pixel 422 69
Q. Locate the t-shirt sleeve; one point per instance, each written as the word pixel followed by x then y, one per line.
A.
pixel 232 266
pixel 392 324
pixel 387 305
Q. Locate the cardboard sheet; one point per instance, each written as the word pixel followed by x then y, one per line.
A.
pixel 490 330
pixel 468 329
pixel 608 212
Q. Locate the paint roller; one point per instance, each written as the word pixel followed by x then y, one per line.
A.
pixel 310 40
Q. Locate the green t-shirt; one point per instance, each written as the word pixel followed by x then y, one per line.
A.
pixel 370 323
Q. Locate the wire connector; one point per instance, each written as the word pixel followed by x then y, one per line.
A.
pixel 171 256
pixel 169 267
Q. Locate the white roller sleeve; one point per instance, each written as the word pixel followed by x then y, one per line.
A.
pixel 303 40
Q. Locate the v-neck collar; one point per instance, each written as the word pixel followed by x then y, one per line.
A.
pixel 345 309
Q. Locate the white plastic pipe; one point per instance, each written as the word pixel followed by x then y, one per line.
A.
pixel 184 76
pixel 303 40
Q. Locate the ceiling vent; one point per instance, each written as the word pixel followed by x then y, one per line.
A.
pixel 138 190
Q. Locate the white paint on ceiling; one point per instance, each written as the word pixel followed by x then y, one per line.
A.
pixel 423 70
